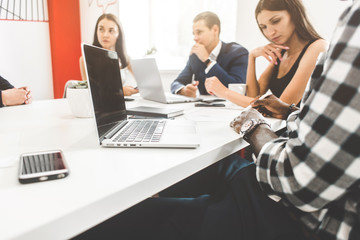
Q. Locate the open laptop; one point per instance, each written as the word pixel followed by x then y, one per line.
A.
pixel 149 82
pixel 113 127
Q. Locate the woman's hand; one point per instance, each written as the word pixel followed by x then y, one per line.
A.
pixel 271 52
pixel 215 87
pixel 273 107
pixel 128 90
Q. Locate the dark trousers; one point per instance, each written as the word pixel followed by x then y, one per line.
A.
pixel 241 212
pixel 210 180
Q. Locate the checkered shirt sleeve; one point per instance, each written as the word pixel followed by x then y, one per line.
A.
pixel 317 167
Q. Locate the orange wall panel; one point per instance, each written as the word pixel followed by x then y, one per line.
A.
pixel 65 39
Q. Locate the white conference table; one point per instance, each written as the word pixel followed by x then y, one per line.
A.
pixel 102 181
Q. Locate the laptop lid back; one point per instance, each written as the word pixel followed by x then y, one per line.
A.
pixel 148 79
pixel 104 80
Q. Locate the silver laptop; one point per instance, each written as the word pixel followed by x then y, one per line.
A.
pixel 149 82
pixel 113 127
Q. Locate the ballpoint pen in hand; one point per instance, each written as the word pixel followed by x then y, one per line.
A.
pixel 268 93
pixel 193 79
pixel 194 83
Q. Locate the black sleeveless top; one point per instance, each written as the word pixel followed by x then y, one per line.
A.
pixel 278 85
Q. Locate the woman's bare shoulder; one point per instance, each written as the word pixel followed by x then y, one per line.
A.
pixel 321 45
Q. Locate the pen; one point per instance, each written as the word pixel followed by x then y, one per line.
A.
pixel 268 93
pixel 193 79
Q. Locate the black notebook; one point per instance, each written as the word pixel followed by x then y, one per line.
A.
pixel 154 112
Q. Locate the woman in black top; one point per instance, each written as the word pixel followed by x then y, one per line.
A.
pixel 292 52
pixel 277 84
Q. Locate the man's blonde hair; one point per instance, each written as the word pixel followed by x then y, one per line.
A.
pixel 210 19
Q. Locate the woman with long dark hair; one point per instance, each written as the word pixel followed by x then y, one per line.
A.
pixel 109 35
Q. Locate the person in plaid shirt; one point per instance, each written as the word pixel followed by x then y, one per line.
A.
pixel 305 185
pixel 317 167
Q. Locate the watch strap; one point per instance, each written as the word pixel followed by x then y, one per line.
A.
pixel 291 108
pixel 256 122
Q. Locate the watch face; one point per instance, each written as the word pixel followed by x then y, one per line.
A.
pixel 247 125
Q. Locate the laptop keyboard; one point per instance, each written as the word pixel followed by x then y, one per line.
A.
pixel 141 131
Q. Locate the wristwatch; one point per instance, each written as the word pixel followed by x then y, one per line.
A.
pixel 249 126
pixel 207 61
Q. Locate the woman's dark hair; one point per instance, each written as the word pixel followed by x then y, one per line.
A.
pixel 120 43
pixel 296 9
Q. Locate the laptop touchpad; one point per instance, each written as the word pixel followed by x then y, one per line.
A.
pixel 180 127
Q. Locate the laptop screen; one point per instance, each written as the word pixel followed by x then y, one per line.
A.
pixel 103 73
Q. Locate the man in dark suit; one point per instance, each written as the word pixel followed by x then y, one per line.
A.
pixel 10 96
pixel 210 57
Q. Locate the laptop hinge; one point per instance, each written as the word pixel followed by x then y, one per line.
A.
pixel 115 130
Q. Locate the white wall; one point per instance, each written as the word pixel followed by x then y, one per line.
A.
pixel 25 58
pixel 90 11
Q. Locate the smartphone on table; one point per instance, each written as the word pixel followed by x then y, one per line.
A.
pixel 42 166
pixel 209 104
